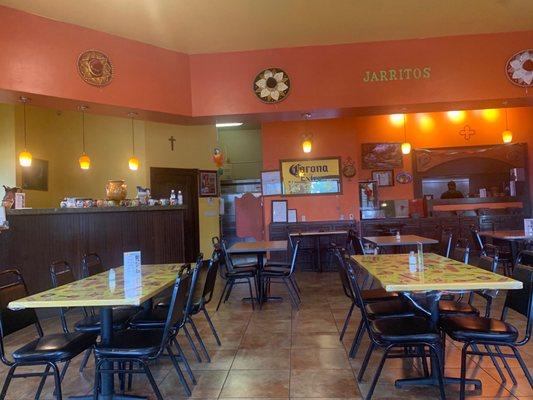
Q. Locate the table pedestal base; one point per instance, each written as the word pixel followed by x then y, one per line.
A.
pixel 432 381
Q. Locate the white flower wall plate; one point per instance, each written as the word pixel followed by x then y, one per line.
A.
pixel 519 68
pixel 272 85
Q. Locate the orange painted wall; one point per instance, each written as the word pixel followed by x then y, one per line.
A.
pixel 39 56
pixel 343 137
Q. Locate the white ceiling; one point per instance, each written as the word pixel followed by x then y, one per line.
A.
pixel 205 26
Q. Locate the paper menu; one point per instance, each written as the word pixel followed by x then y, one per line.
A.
pixel 132 274
pixel 3 220
pixel 528 226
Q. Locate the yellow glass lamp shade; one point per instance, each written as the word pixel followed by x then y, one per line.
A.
pixel 307 146
pixel 507 136
pixel 85 161
pixel 396 119
pixel 133 163
pixel 406 148
pixel 25 158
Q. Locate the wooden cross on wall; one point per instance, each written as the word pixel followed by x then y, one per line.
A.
pixel 171 140
pixel 467 132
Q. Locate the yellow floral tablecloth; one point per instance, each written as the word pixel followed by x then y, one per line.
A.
pixel 439 273
pixel 100 290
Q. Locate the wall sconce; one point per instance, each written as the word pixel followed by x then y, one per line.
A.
pixel 507 135
pixel 25 157
pixel 307 144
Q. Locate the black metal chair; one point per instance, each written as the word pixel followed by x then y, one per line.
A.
pixel 285 277
pixel 285 265
pixel 379 303
pixel 46 350
pixel 476 331
pixel 461 251
pixel 445 244
pixel 403 332
pixel 234 276
pixel 141 346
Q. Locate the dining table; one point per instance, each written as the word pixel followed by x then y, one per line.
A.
pixel 106 290
pixel 513 237
pixel 259 249
pixel 424 288
pixel 316 235
pixel 398 242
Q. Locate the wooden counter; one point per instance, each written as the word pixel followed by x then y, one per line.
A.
pixel 36 237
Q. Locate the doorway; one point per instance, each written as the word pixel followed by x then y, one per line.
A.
pixel 162 181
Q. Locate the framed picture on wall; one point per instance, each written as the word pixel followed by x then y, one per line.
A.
pixel 311 176
pixel 292 215
pixel 279 211
pixel 384 177
pixel 270 183
pixel 35 177
pixel 381 155
pixel 208 182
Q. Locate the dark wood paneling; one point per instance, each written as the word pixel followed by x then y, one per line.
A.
pixel 35 240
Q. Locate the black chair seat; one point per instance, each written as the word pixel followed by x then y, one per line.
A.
pixel 150 319
pixel 380 294
pixel 389 309
pixel 478 328
pixel 245 267
pixel 450 307
pixel 91 323
pixel 242 273
pixel 276 274
pixel 404 330
pixel 131 344
pixel 277 266
pixel 55 347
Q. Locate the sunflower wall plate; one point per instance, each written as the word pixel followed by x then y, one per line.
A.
pixel 95 68
pixel 272 85
pixel 519 68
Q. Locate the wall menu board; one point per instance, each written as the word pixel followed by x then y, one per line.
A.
pixel 311 176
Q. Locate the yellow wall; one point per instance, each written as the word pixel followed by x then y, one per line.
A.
pixel 193 149
pixel 56 137
pixel 243 153
pixel 7 146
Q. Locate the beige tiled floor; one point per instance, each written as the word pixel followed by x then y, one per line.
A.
pixel 277 353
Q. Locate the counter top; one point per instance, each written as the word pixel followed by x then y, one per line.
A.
pixel 52 211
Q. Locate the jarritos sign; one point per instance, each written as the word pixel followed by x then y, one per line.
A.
pixel 311 176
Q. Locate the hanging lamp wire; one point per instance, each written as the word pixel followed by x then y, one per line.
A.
pixel 404 130
pixel 24 101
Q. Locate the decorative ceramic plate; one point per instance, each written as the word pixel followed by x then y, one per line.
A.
pixel 404 177
pixel 272 85
pixel 519 68
pixel 95 68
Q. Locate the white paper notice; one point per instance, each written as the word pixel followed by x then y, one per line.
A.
pixel 528 226
pixel 132 274
pixel 3 220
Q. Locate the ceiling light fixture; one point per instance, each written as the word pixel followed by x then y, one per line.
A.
pixel 228 124
pixel 507 135
pixel 396 119
pixel 84 160
pixel 406 146
pixel 456 116
pixel 307 142
pixel 133 162
pixel 25 157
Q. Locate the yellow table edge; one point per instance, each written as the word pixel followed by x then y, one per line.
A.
pixel 126 301
pixel 511 284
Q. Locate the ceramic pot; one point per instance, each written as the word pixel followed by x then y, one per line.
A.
pixel 116 190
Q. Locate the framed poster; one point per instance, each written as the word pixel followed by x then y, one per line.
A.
pixel 368 195
pixel 381 155
pixel 279 210
pixel 270 183
pixel 35 177
pixel 208 184
pixel 311 176
pixel 292 215
pixel 383 178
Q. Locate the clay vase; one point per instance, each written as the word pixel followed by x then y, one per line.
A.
pixel 116 191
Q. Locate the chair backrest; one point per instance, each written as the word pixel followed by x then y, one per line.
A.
pixel 194 272
pixel 177 305
pixel 210 279
pixel 490 264
pixel 294 257
pixel 345 281
pixel 354 243
pixel 91 264
pixel 446 238
pixel 215 240
pixel 227 259
pixel 461 252
pixel 525 257
pixel 354 273
pixel 61 274
pixel 521 301
pixel 476 238
pixel 11 321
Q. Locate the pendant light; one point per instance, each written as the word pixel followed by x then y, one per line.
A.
pixel 507 135
pixel 406 146
pixel 307 142
pixel 84 160
pixel 25 156
pixel 133 162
